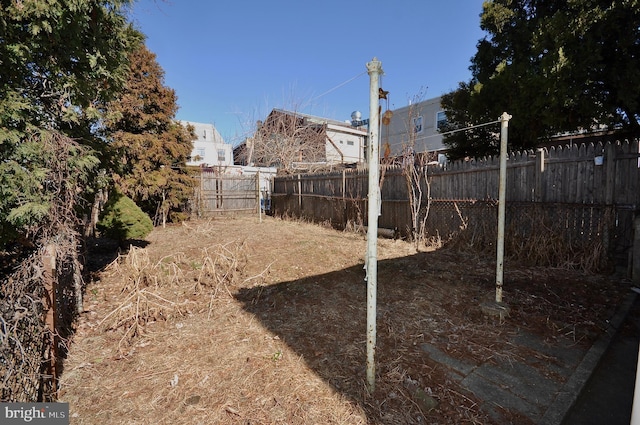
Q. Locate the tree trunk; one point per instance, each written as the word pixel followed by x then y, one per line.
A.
pixel 90 229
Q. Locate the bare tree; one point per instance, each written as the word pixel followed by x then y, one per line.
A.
pixel 288 140
pixel 414 169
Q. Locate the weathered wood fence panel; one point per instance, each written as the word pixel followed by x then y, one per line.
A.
pixel 569 174
pixel 340 198
pixel 223 193
pixel 582 191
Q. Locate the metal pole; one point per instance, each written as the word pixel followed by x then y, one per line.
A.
pixel 502 190
pixel 374 69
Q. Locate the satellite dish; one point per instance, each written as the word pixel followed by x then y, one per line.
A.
pixel 356 116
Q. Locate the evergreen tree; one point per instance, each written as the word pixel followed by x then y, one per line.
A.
pixel 554 66
pixel 149 147
pixel 59 60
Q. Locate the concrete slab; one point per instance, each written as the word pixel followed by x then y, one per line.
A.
pixel 523 381
pixel 439 356
pixel 542 387
pixel 493 394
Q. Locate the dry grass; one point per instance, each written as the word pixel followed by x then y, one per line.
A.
pixel 239 322
pixel 532 240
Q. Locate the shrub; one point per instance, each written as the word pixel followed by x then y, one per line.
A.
pixel 122 219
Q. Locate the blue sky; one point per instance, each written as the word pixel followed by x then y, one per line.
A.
pixel 231 62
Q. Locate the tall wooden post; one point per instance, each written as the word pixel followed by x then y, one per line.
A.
pixel 259 196
pixel 49 276
pixel 299 196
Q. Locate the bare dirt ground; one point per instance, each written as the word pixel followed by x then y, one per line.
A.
pixel 236 321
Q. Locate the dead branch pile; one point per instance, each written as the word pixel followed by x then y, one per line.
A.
pixel 160 290
pixel 23 335
pixel 36 319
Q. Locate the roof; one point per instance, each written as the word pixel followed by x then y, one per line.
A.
pixel 343 125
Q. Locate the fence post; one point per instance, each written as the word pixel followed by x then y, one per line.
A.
pixel 200 194
pixel 345 217
pixel 259 196
pixel 49 277
pixel 299 197
pixel 539 170
pixel 609 170
pixel 220 192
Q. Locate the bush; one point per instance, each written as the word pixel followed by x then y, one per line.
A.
pixel 122 219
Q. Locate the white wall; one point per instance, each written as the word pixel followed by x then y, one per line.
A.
pixel 427 137
pixel 209 148
pixel 349 144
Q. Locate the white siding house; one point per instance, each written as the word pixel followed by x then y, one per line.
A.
pixel 421 118
pixel 209 149
pixel 345 144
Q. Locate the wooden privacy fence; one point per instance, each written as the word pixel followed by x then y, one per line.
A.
pixel 584 194
pixel 585 174
pixel 220 193
pixel 340 198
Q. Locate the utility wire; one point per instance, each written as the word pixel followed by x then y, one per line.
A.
pixel 337 87
pixel 246 133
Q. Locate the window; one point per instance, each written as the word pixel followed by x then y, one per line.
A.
pixel 417 124
pixel 221 155
pixel 204 134
pixel 350 142
pixel 199 154
pixel 441 120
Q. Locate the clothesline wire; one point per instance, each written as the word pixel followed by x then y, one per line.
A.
pixel 458 130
